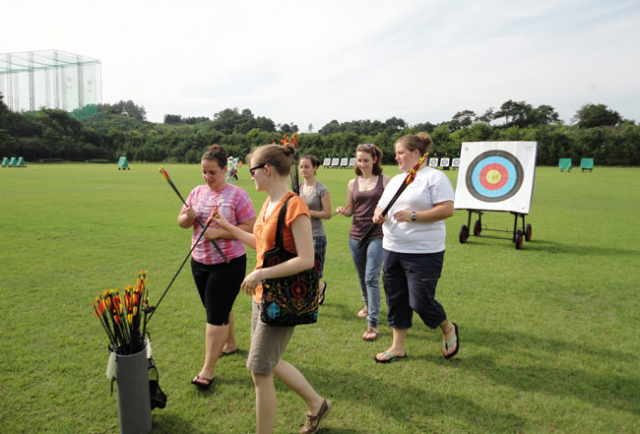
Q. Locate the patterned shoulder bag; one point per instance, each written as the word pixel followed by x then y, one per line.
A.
pixel 291 300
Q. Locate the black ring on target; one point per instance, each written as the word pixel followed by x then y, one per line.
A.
pixel 494 176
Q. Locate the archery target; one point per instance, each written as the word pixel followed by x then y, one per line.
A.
pixel 455 162
pixel 496 176
pixel 433 162
pixel 444 162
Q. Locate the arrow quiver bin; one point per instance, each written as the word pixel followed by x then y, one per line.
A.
pixel 134 403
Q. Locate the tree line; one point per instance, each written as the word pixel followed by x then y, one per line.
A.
pixel 105 132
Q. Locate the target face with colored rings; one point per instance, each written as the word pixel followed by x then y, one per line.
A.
pixel 494 176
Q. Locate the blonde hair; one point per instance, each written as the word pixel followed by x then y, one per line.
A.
pixel 421 141
pixel 280 157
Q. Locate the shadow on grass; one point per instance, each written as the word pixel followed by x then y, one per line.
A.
pixel 581 250
pixel 532 364
pixel 614 391
pixel 420 410
pixel 172 424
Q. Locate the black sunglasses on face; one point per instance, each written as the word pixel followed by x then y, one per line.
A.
pixel 252 171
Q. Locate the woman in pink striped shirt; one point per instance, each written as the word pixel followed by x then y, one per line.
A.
pixel 218 282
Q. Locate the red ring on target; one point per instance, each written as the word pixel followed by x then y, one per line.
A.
pixel 494 176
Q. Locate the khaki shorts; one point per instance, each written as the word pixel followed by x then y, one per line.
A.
pixel 267 344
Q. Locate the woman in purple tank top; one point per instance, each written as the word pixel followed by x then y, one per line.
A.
pixel 364 191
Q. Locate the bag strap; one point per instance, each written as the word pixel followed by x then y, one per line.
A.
pixel 281 217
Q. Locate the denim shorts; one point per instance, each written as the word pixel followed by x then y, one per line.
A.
pixel 320 249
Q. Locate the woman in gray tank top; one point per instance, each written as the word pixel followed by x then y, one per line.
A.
pixel 363 195
pixel 316 194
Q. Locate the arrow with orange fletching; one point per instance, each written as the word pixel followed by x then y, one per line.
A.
pixel 121 316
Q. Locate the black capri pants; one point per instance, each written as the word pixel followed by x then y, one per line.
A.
pixel 410 282
pixel 218 286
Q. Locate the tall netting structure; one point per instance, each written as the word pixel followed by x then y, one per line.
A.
pixel 51 79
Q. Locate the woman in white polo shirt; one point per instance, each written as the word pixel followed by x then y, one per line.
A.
pixel 414 244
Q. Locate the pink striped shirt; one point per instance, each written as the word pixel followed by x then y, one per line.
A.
pixel 236 207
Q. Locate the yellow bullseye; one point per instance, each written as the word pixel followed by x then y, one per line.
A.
pixel 493 176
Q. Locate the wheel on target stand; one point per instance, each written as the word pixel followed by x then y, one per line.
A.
pixel 519 237
pixel 527 233
pixel 464 234
pixel 477 228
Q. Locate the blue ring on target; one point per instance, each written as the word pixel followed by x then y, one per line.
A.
pixel 506 161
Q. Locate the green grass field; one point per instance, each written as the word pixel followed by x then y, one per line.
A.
pixel 549 334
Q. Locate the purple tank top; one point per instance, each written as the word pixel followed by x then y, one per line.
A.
pixel 364 204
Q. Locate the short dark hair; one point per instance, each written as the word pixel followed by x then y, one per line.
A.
pixel 216 153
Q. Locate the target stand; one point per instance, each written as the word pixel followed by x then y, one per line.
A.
pixel 496 176
pixel 517 235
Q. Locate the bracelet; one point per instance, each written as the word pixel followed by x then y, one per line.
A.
pixel 414 216
pixel 261 279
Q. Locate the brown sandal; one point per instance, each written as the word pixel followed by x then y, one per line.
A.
pixel 312 425
pixel 362 313
pixel 371 334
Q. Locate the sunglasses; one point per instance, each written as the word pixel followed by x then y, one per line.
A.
pixel 252 171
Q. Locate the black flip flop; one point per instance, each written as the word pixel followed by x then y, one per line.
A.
pixel 455 340
pixel 321 298
pixel 202 383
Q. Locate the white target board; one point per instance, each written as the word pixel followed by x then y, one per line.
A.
pixel 433 162
pixel 455 162
pixel 326 162
pixel 352 162
pixel 444 162
pixel 335 162
pixel 496 176
pixel 344 162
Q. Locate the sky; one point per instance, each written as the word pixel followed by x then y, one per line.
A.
pixel 309 63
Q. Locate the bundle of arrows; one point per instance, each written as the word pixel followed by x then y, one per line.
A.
pixel 123 315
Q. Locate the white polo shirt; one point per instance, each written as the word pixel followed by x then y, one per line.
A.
pixel 430 187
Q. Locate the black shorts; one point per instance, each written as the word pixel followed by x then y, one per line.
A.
pixel 410 282
pixel 218 286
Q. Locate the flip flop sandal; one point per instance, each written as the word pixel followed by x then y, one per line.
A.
pixel 371 335
pixel 454 341
pixel 202 383
pixel 321 298
pixel 390 358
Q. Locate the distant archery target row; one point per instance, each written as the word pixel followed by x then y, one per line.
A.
pixel 444 162
pixel 336 162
